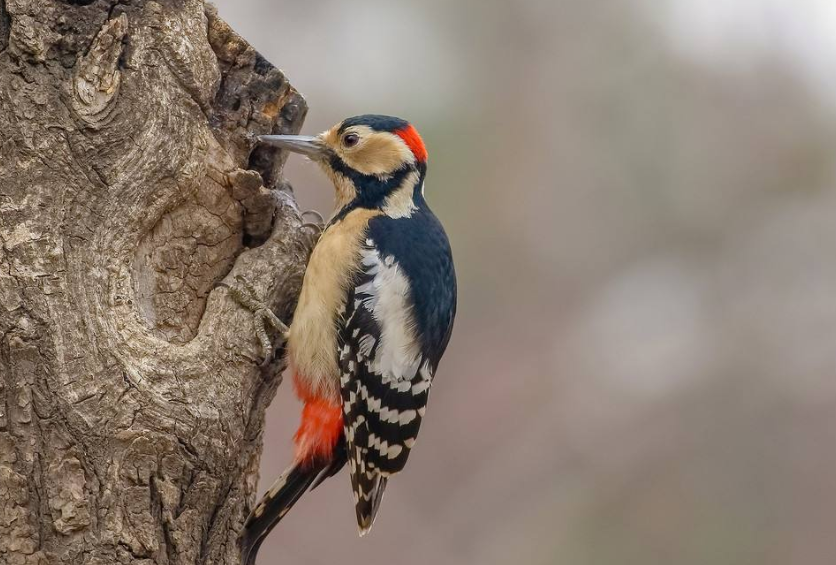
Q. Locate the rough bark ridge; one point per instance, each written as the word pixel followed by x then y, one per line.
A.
pixel 131 400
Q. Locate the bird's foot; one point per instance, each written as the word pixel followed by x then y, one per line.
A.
pixel 263 318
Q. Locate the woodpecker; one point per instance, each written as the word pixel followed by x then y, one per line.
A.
pixel 373 319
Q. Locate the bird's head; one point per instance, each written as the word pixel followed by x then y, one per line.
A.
pixel 371 159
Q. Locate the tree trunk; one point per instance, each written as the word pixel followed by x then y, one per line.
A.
pixel 131 397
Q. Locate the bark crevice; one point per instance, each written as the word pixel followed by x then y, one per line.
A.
pixel 5 25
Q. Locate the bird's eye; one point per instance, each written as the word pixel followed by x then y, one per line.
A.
pixel 351 139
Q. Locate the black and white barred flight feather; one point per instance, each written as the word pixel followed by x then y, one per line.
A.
pixel 389 350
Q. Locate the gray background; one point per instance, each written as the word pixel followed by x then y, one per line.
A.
pixel 642 205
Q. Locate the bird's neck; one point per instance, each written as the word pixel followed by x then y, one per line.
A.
pixel 396 195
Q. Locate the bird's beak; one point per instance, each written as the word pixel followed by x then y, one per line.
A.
pixel 307 145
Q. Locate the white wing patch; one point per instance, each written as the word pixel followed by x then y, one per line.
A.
pixel 387 298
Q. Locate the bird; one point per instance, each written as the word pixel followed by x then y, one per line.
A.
pixel 374 317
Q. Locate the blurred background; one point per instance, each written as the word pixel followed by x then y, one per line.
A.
pixel 641 199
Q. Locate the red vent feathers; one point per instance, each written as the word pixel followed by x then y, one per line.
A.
pixel 410 136
pixel 322 424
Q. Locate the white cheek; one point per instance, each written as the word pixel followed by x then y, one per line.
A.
pixel 400 204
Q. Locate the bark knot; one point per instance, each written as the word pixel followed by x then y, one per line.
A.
pixel 97 77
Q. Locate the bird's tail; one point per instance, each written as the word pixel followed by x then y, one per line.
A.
pixel 368 493
pixel 288 488
pixel 274 505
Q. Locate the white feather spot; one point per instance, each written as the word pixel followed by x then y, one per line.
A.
pixel 365 288
pixel 407 416
pixel 403 386
pixel 373 404
pixel 420 387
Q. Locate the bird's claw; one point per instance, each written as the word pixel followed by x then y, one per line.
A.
pixel 244 294
pixel 317 224
pixel 319 219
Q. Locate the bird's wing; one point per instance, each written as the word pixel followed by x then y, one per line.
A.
pixel 385 379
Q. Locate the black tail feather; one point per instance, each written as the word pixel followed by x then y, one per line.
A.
pixel 274 505
pixel 281 497
pixel 338 461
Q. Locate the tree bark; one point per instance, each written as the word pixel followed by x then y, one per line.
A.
pixel 131 394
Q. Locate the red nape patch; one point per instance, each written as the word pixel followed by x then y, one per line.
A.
pixel 322 424
pixel 410 136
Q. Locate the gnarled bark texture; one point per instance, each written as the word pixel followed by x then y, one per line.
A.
pixel 131 397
